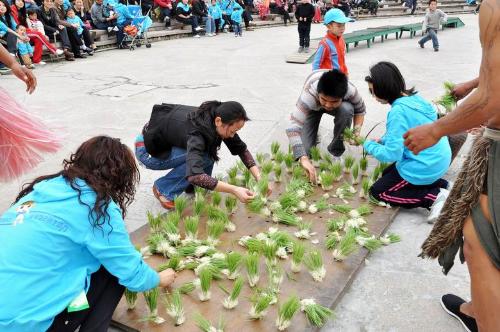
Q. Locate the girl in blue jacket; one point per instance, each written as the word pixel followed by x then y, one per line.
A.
pixel 64 239
pixel 411 180
pixel 216 13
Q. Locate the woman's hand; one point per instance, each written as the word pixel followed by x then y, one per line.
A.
pixel 243 194
pixel 25 75
pixel 167 277
pixel 309 168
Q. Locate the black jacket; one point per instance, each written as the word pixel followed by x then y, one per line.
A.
pixel 169 126
pixel 304 10
pixel 200 8
pixel 48 19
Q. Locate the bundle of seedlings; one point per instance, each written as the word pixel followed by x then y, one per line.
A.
pixel 277 173
pixel 319 206
pixel 253 245
pixel 191 228
pixel 289 162
pixel 326 180
pixel 447 102
pixel 258 205
pixel 130 298
pixel 269 250
pixel 151 299
pixel 363 165
pixel 286 312
pixel 231 301
pixel 348 163
pixel 336 224
pixel 158 244
pixel 266 168
pixel 232 174
pixel 314 263
pixel 298 172
pixel 286 217
pixel 173 263
pixel 174 307
pixel 342 208
pixel 316 314
pixel 216 214
pixel 365 188
pixel 252 266
pixel 199 205
pixel 346 246
pixel 351 138
pixel 216 198
pixel 260 157
pixel 187 288
pixel 376 174
pixel 180 203
pixel 336 170
pixel 206 326
pixel 376 202
pixel 275 149
pixel 300 186
pixel 203 284
pixel 230 203
pixel 390 238
pixel 171 230
pixel 260 303
pixel 355 174
pixel 298 251
pixel 275 274
pixel 369 242
pixel 332 240
pixel 233 262
pixel 315 153
pixel 154 222
pixel 214 231
pixel 304 231
pixel 288 200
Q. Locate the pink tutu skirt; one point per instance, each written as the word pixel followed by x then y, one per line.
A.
pixel 23 138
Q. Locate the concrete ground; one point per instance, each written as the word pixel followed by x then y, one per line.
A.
pixel 113 92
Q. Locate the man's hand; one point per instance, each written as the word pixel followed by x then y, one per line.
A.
pixel 461 90
pixel 167 277
pixel 243 194
pixel 25 75
pixel 309 168
pixel 60 26
pixel 421 137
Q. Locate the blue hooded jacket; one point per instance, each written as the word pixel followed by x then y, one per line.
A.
pixel 236 15
pixel 215 11
pixel 430 164
pixel 49 249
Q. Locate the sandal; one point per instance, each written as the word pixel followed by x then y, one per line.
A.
pixel 165 203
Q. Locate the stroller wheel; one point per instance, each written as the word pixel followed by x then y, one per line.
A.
pixel 131 48
pixel 148 45
pixel 138 45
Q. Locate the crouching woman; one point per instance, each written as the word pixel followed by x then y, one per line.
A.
pixel 186 140
pixel 411 180
pixel 66 256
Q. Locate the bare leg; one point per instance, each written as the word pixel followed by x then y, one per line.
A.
pixel 485 277
pixel 467 309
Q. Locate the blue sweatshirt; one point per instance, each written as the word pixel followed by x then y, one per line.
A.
pixel 430 164
pixel 76 20
pixel 215 11
pixel 24 47
pixel 49 249
pixel 227 7
pixel 236 15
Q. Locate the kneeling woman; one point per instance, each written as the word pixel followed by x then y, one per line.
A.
pixel 412 180
pixel 186 140
pixel 66 254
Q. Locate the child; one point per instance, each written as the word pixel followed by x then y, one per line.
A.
pixel 432 20
pixel 24 47
pixel 37 34
pixel 236 17
pixel 75 21
pixel 411 180
pixel 331 49
pixel 304 15
pixel 216 13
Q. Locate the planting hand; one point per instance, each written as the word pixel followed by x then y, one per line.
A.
pixel 421 137
pixel 243 194
pixel 167 277
pixel 309 168
pixel 461 90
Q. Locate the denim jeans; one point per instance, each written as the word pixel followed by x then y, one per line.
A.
pixel 210 25
pixel 430 34
pixel 174 182
pixel 237 29
pixel 342 119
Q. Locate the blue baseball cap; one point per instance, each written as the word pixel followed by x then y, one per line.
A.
pixel 336 15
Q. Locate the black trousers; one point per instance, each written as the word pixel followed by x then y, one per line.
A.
pixel 11 40
pixel 69 38
pixel 393 189
pixel 87 37
pixel 217 24
pixel 304 32
pixel 227 21
pixel 103 296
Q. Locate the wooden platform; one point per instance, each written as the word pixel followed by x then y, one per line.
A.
pixel 329 292
pixel 302 58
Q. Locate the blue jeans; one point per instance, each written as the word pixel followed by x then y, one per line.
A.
pixel 431 34
pixel 174 182
pixel 237 29
pixel 210 25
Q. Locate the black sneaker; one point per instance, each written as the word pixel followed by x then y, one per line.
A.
pixel 451 304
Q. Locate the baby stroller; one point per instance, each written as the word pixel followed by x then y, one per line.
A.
pixel 136 34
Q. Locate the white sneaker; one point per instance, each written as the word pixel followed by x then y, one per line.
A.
pixel 115 28
pixel 41 63
pixel 196 36
pixel 198 28
pixel 438 205
pixel 59 52
pixel 110 29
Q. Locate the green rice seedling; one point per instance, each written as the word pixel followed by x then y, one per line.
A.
pixel 365 188
pixel 203 284
pixel 214 231
pixel 284 217
pixel 206 326
pixel 233 262
pixel 216 214
pixel 199 206
pixel 363 165
pixel 275 148
pixel 180 203
pixel 376 174
pixel 263 186
pixel 260 304
pixel 322 204
pixel 151 299
pixel 289 161
pixel 332 240
pixel 304 231
pixel 232 173
pixel 351 137
pixel 370 242
pixel 154 222
pixel 275 274
pixel 187 288
pixel 172 217
pixel 289 200
pixel 231 301
pixel 342 208
pixel 260 158
pixel 269 250
pixel 364 210
pixel 279 157
pixel 301 186
pixel 324 166
pixel 348 163
pixel 174 307
pixel 191 227
pixel 187 250
pixel 355 174
pixel 390 238
pixel 282 239
pixel 336 224
pixel 316 314
pixel 230 203
pixel 315 153
pixel 171 230
pixel 247 178
pixel 277 173
pixel 298 172
pixel 346 246
pixel 314 263
pixel 254 246
pixel 131 298
pixel 173 263
pixel 257 205
pixel 252 266
pixel 266 168
pixel 216 198
pixel 286 312
pixel 327 157
pixel 297 256
pixel 447 101
pixel 382 166
pixel 326 179
pixel 336 171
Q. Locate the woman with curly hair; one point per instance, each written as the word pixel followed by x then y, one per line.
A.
pixel 66 254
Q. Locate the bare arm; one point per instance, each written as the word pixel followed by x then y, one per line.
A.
pixel 23 73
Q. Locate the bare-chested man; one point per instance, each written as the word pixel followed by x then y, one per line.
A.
pixel 471 216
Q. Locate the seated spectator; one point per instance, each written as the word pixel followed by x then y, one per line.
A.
pixel 165 7
pixel 146 6
pixel 53 28
pixel 7 28
pixel 123 18
pixel 24 48
pixel 88 43
pixel 100 17
pixel 82 13
pixel 227 10
pixel 246 15
pixel 200 11
pixel 77 44
pixel 216 13
pixel 183 14
pixel 278 7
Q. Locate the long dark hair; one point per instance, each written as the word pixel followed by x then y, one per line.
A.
pixel 203 118
pixel 7 17
pixel 108 167
pixel 21 13
pixel 387 81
